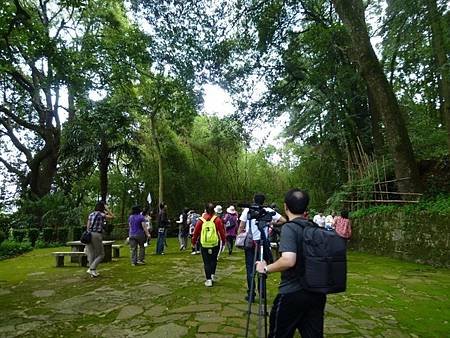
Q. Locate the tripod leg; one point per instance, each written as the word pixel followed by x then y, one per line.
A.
pixel 261 307
pixel 250 295
pixel 264 277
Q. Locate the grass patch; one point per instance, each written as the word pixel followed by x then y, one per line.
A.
pixel 385 297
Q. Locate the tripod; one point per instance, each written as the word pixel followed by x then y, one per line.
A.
pixel 261 248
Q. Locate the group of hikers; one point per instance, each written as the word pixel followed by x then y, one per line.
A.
pixel 333 222
pixel 213 232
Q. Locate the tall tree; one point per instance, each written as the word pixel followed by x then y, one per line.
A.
pixel 441 49
pixel 168 103
pixel 31 49
pixel 352 14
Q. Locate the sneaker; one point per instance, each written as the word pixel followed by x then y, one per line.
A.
pixel 140 263
pixel 197 252
pixel 213 278
pixel 94 273
pixel 88 271
pixel 208 283
pixel 162 253
pixel 133 264
pixel 193 253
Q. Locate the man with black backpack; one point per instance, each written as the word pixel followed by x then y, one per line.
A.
pixel 309 270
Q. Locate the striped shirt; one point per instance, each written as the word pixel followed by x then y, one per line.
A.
pixel 96 222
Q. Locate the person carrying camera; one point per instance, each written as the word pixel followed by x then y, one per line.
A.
pixel 250 225
pixel 293 307
pixel 96 226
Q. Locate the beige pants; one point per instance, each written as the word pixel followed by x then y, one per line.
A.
pixel 95 251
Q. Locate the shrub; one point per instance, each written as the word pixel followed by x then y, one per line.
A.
pixel 33 235
pixel 19 235
pixel 2 236
pixel 40 244
pixel 119 233
pixel 11 248
pixel 47 234
pixel 77 231
pixel 5 222
pixel 62 234
pixel 52 210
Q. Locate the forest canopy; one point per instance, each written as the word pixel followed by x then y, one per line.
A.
pixel 106 102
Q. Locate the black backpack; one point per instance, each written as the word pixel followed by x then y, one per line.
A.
pixel 323 259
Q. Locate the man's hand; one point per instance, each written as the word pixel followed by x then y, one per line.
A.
pixel 260 265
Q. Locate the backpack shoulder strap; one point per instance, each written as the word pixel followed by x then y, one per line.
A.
pixel 202 219
pixel 303 222
pixel 213 218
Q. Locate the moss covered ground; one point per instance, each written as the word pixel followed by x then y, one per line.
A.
pixel 167 298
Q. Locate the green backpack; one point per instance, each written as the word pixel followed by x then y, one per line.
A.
pixel 208 236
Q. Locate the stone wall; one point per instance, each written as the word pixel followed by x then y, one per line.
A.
pixel 420 238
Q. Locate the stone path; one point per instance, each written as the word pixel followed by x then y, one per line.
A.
pixel 166 298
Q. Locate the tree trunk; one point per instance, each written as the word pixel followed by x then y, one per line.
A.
pixel 351 13
pixel 160 160
pixel 104 161
pixel 375 119
pixel 43 166
pixel 440 53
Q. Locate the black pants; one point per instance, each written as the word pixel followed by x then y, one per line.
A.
pixel 301 310
pixel 250 264
pixel 209 256
pixel 230 243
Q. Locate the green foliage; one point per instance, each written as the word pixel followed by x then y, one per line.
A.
pixel 119 233
pixel 62 234
pixel 376 210
pixel 48 234
pixel 33 235
pixel 267 22
pixel 19 234
pixel 5 222
pixel 3 236
pixel 439 206
pixel 11 248
pixel 76 232
pixel 52 210
pixel 41 244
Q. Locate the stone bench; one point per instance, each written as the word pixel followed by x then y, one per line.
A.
pixel 116 250
pixel 82 257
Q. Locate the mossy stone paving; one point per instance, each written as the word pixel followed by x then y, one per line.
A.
pixel 167 298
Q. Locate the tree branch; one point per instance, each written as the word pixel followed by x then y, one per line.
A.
pixel 15 140
pixel 12 169
pixel 19 121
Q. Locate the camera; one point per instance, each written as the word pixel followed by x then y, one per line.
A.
pixel 258 212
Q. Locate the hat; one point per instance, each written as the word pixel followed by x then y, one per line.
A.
pixel 231 209
pixel 218 209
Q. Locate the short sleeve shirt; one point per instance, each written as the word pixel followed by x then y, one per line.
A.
pixel 252 223
pixel 290 241
pixel 96 221
pixel 135 222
